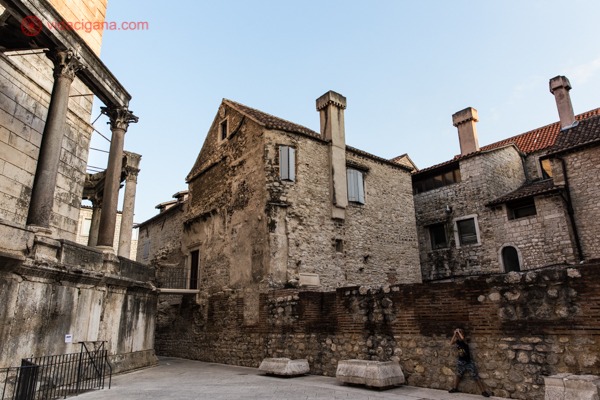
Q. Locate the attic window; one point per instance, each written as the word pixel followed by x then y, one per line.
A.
pixel 223 129
pixel 437 181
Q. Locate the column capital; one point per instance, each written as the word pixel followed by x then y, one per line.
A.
pixel 132 173
pixel 66 63
pixel 120 117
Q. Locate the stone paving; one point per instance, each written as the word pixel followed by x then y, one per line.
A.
pixel 180 379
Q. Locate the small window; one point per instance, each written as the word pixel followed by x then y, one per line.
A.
pixel 194 264
pixel 223 129
pixel 356 186
pixel 287 163
pixel 520 209
pixel 437 234
pixel 339 245
pixel 546 168
pixel 467 231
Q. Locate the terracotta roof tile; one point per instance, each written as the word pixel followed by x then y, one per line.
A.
pixel 529 189
pixel 586 132
pixel 543 138
pixel 270 121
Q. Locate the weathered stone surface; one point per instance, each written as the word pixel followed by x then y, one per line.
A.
pixel 378 374
pixel 582 387
pixel 284 366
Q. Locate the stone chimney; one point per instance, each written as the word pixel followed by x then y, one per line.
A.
pixel 331 108
pixel 465 120
pixel 559 87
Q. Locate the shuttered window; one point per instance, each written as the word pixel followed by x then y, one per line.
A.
pixel 356 186
pixel 287 163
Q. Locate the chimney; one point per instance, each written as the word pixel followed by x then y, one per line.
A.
pixel 331 108
pixel 559 87
pixel 465 120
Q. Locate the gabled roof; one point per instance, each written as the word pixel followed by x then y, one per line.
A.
pixel 270 121
pixel 543 138
pixel 584 133
pixel 529 189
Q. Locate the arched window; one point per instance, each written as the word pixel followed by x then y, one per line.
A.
pixel 510 259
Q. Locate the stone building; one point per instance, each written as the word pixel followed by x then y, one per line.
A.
pixel 507 206
pixel 51 287
pixel 274 204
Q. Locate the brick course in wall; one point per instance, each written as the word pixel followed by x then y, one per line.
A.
pixel 521 327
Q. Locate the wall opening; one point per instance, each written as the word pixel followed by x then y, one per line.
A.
pixel 510 259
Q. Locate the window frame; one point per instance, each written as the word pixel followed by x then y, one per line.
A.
pixel 522 205
pixel 457 235
pixel 287 163
pixel 355 178
pixel 224 129
pixel 434 245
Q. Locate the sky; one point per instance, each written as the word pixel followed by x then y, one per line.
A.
pixel 404 66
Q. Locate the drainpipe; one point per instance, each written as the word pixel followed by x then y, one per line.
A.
pixel 567 198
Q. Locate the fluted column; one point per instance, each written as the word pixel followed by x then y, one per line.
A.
pixel 66 64
pixel 120 118
pixel 132 170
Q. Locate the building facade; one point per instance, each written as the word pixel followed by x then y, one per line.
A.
pixel 501 207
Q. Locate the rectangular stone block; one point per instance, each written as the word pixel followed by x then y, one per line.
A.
pixel 555 387
pixel 377 374
pixel 284 366
pixel 582 387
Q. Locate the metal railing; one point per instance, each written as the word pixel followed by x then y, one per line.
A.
pixel 175 278
pixel 51 377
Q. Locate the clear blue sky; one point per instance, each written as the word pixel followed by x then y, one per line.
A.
pixel 405 67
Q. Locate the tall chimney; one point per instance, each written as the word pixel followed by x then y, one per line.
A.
pixel 331 108
pixel 559 87
pixel 465 120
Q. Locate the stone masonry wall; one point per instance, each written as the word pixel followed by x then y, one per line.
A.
pixel 521 327
pixel 583 169
pixel 484 178
pixel 25 86
pixel 226 220
pixel 83 294
pixel 159 239
pixel 376 242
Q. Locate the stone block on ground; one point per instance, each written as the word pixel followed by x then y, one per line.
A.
pixel 572 387
pixel 377 374
pixel 284 367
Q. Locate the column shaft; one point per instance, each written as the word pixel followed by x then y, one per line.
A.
pixel 44 184
pixel 128 204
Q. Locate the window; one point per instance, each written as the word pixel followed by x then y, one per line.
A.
pixel 339 245
pixel 437 234
pixel 194 264
pixel 356 186
pixel 510 259
pixel 436 181
pixel 287 163
pixel 467 232
pixel 223 129
pixel 546 168
pixel 521 208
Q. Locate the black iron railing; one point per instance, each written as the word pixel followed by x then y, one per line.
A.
pixel 52 377
pixel 176 278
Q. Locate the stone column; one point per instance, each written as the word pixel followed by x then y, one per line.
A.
pixel 132 169
pixel 120 118
pixel 95 225
pixel 66 64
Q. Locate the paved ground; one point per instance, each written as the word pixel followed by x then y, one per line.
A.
pixel 180 379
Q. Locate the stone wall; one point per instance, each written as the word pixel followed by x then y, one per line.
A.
pixel 374 244
pixel 25 86
pixel 541 239
pixel 63 288
pixel 583 169
pixel 84 11
pixel 521 327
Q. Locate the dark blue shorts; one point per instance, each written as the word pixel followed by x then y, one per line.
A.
pixel 464 366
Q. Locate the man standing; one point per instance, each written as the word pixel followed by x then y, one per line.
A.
pixel 464 362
